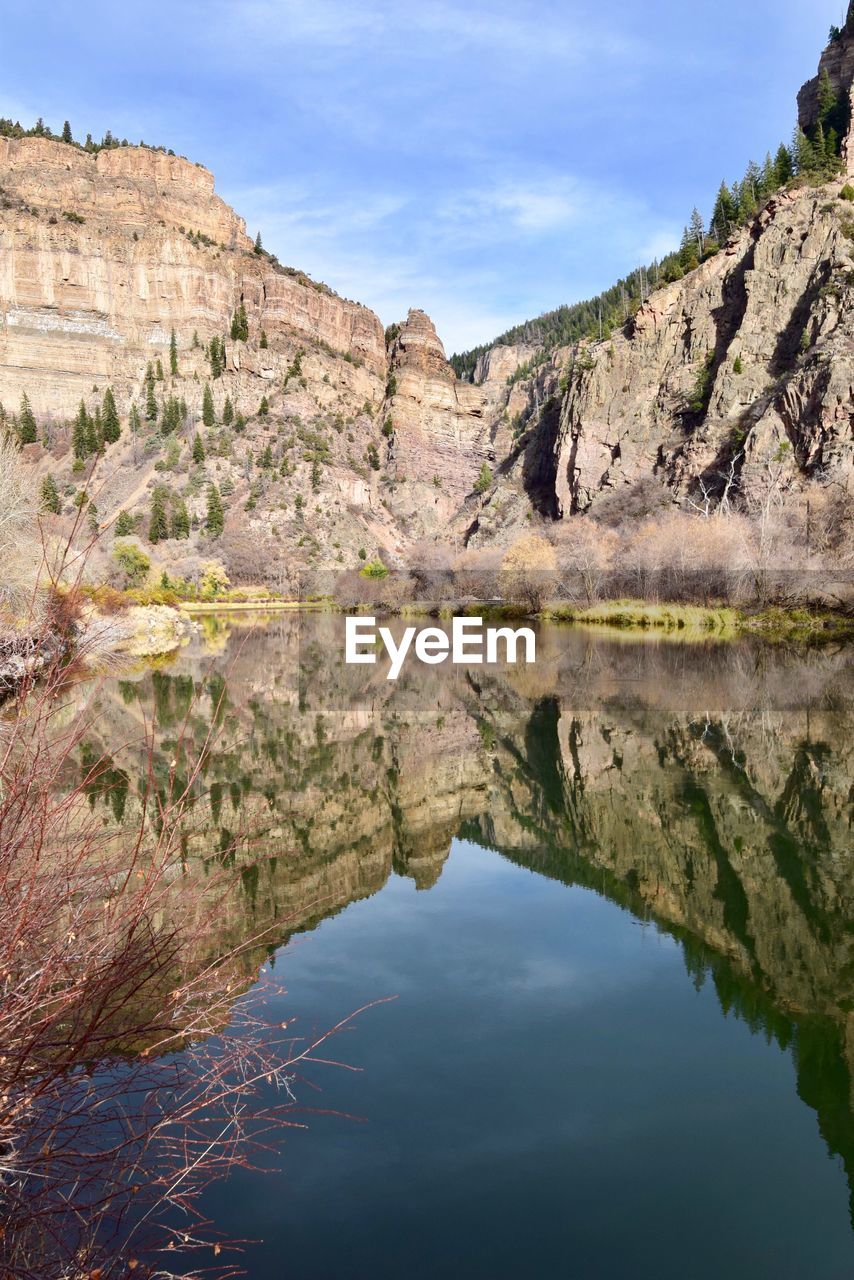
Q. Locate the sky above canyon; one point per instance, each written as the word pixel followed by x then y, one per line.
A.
pixel 484 161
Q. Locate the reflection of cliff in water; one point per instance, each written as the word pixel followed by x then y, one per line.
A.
pixel 708 789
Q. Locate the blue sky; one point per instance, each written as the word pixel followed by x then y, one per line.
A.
pixel 485 161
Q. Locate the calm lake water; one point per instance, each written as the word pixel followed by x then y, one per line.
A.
pixel 613 896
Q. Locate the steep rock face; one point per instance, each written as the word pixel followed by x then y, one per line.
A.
pixel 440 427
pixel 93 300
pixel 838 61
pixel 126 186
pixel 752 351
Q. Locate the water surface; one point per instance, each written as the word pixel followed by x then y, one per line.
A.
pixel 613 897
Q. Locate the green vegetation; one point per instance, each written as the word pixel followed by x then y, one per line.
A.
pixel 179 521
pixel 240 325
pixel 374 569
pixel 173 354
pixel 158 524
pixel 27 432
pixel 133 562
pixel 50 496
pixel 216 356
pixel 215 519
pixel 484 479
pixel 124 524
pixel 110 425
pixel 690 619
pixel 207 406
pixel 14 129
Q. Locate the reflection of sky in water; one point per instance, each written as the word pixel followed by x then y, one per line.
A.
pixel 563 1087
pixel 549 1096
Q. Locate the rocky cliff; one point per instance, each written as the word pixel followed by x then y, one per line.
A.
pixel 103 257
pixel 353 443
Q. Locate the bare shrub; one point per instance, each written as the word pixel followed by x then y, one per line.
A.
pixel 633 502
pixel 19 554
pixel 132 1061
pixel 585 553
pixel 477 573
pixel 528 571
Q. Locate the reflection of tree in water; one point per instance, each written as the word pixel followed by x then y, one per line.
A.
pixel 707 788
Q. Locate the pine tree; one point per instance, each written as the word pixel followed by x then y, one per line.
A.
pixel 484 479
pixel 216 358
pixel 768 178
pixel 79 433
pixel 803 156
pixel 239 423
pixel 723 214
pixel 207 406
pixel 264 407
pixel 227 412
pixel 95 439
pixel 198 450
pixel 240 325
pixel 66 133
pixel 783 165
pixel 180 523
pixel 826 97
pixel 27 431
pixel 160 377
pixel 123 526
pixel 150 399
pixel 158 525
pixel 215 520
pixel 263 342
pixel 110 417
pixel 173 354
pixel 697 231
pixel 259 248
pixel 50 496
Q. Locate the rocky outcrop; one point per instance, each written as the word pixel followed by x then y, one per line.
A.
pixel 837 61
pixel 748 355
pixel 441 428
pixel 101 259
